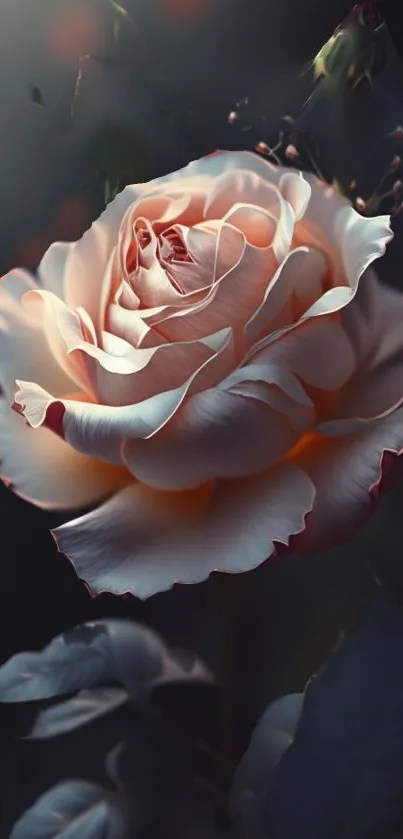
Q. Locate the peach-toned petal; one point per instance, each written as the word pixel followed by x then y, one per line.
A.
pixel 242 177
pixel 24 350
pixel 296 190
pixel 240 428
pixel 295 285
pixel 52 268
pixel 143 541
pixel 388 305
pixel 364 319
pixel 195 273
pixel 179 203
pixel 43 469
pixel 318 351
pixel 87 281
pixel 352 242
pixel 129 325
pixel 377 387
pixel 241 274
pixel 64 333
pixel 123 375
pixel 345 471
pixel 100 430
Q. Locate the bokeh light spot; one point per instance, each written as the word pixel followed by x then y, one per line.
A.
pixel 30 251
pixel 75 32
pixel 73 217
pixel 185 11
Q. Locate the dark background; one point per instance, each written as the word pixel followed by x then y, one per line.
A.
pixel 175 86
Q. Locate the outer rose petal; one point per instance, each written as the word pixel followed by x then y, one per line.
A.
pixel 229 432
pixel 46 471
pixel 364 318
pixel 351 241
pixel 377 388
pixel 143 541
pixel 317 350
pixel 100 430
pixel 23 346
pixel 344 470
pixel 52 268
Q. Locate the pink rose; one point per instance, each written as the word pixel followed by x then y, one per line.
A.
pixel 213 367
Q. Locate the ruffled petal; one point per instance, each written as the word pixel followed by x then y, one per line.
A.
pixel 240 428
pixel 52 268
pixel 122 375
pixel 317 350
pixel 377 388
pixel 296 284
pixel 364 318
pixel 83 264
pixel 64 332
pixel 100 430
pixel 241 274
pixel 24 350
pixel 351 242
pixel 346 472
pixel 143 541
pixel 44 470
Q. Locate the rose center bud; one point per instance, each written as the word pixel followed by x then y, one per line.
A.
pixel 143 238
pixel 173 248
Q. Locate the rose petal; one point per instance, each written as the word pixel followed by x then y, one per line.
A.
pixel 296 283
pixel 143 541
pixel 233 296
pixel 52 268
pixel 46 471
pixel 100 430
pixel 317 350
pixel 363 319
pixel 131 327
pixel 63 330
pixel 344 471
pixel 295 189
pixel 123 375
pixel 377 388
pixel 351 241
pixel 24 350
pixel 238 429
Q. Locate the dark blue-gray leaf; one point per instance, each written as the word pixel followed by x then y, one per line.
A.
pixel 343 774
pixel 71 810
pixel 98 653
pixel 270 740
pixel 87 706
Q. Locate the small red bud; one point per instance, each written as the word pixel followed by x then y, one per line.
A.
pixel 262 147
pixel 397 187
pixel 360 203
pixel 232 117
pixel 397 133
pixel 291 152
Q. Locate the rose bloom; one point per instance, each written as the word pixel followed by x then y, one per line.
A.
pixel 213 370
